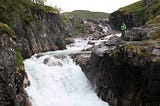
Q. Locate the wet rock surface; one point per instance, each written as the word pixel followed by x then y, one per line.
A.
pixel 126 73
pixel 8 86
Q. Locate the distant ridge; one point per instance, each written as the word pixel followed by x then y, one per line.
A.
pixel 85 14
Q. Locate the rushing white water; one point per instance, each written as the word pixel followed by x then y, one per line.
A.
pixel 57 81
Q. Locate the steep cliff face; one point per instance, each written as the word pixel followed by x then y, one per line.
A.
pixel 45 32
pixel 128 74
pixel 7 66
pixel 12 72
pixel 32 28
pixel 37 27
pixel 136 14
pixel 132 15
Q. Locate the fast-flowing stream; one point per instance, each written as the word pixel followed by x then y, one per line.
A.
pixel 57 81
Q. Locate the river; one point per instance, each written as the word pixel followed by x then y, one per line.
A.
pixel 57 81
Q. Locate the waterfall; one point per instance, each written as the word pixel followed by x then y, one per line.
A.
pixel 57 81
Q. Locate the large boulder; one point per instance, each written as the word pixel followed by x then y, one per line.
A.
pixel 69 40
pixel 127 75
pixel 143 33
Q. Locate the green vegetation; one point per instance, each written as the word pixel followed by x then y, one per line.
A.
pixel 157 60
pixel 134 8
pixel 46 9
pixel 154 9
pixel 137 50
pixel 19 62
pixel 155 20
pixel 84 14
pixel 79 28
pixel 158 40
pixel 49 9
pixel 11 10
pixel 4 28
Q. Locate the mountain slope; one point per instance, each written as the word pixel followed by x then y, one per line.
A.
pixel 84 14
pixel 137 14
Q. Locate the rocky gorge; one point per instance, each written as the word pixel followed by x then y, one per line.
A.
pixel 124 72
pixel 35 28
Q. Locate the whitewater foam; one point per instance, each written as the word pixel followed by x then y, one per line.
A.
pixel 57 81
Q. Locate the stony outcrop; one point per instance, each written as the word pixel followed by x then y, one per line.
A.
pixel 69 40
pixel 136 14
pixel 131 20
pixel 8 95
pixel 143 33
pixel 146 2
pixel 127 74
pixel 7 65
pixel 83 60
pixel 38 30
pixel 44 33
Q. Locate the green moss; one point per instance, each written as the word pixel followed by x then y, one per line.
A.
pixel 155 20
pixel 27 18
pixel 46 9
pixel 158 40
pixel 116 54
pixel 14 10
pixel 157 60
pixel 4 28
pixel 137 50
pixel 154 8
pixel 136 8
pixel 78 28
pixel 49 9
pixel 19 62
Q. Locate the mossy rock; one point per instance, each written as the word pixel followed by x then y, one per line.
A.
pixel 154 9
pixel 158 40
pixel 155 20
pixel 4 28
pixel 49 9
pixel 19 62
pixel 157 60
pixel 154 31
pixel 137 50
pixel 44 8
pixel 133 8
pixel 79 28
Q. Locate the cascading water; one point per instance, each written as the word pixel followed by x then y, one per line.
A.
pixel 57 81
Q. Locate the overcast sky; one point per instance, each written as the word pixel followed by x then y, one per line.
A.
pixel 92 5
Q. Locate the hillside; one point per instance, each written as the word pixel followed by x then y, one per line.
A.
pixel 26 28
pixel 84 14
pixel 137 14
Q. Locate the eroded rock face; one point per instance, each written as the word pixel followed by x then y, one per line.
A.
pixel 8 87
pixel 146 2
pixel 7 65
pixel 44 33
pixel 127 76
pixel 143 33
pixel 131 20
